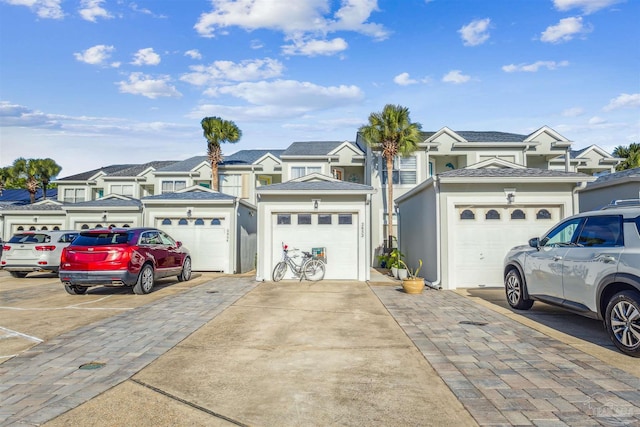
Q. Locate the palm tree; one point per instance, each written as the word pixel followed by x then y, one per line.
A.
pixel 217 131
pixel 26 171
pixel 5 177
pixel 631 156
pixel 392 133
pixel 46 169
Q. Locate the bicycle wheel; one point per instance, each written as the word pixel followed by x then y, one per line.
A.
pixel 278 272
pixel 314 270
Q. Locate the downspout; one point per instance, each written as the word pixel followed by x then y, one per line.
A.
pixel 566 160
pixel 524 155
pixel 436 284
pixel 575 199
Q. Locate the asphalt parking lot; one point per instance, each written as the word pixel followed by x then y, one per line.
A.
pixel 260 349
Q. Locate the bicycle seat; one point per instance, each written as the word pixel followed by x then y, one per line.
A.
pixel 307 254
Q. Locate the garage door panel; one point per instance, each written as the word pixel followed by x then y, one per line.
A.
pixel 480 244
pixel 339 240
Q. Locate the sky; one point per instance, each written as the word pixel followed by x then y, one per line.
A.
pixel 92 83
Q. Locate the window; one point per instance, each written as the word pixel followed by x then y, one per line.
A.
pixel 345 219
pixel 173 186
pixel 467 214
pixel 518 214
pixel 404 170
pixel 324 219
pixel 284 219
pixel 183 221
pixel 492 214
pixel 298 171
pixel 199 221
pixel 304 219
pixel 216 221
pixel 231 184
pixel 84 227
pixel 123 190
pixel 166 221
pixel 563 234
pixel 543 214
pixel 74 195
pixel 602 231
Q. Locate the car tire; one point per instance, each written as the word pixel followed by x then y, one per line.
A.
pixel 622 321
pixel 75 289
pixel 278 271
pixel 515 291
pixel 185 274
pixel 18 274
pixel 145 281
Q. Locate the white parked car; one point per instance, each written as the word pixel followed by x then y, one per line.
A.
pixel 29 251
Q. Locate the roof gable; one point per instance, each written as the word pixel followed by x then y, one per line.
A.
pixel 495 163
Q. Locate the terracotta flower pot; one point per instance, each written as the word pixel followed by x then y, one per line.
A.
pixel 413 286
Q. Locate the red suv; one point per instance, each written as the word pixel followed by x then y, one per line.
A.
pixel 122 257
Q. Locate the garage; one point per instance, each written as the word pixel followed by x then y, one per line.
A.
pixel 316 211
pixel 336 233
pixel 482 235
pixel 206 238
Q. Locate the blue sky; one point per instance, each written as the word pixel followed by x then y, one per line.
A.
pixel 92 83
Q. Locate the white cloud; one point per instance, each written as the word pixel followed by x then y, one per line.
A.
pixel 145 11
pixel 146 56
pixel 96 55
pixel 145 85
pixel 587 6
pixel 403 79
pixel 595 120
pixel 573 112
pixel 304 20
pixel 625 100
pixel 92 9
pixel 532 68
pixel 193 54
pixel 47 9
pixel 456 77
pixel 315 47
pixel 564 31
pixel 229 71
pixel 476 32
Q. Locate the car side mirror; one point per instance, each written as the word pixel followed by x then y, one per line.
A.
pixel 535 243
pixel 179 244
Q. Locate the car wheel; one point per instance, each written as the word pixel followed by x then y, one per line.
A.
pixel 75 289
pixel 278 272
pixel 515 290
pixel 622 322
pixel 145 281
pixel 19 274
pixel 185 274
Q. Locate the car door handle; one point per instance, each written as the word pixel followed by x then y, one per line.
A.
pixel 608 258
pixel 557 258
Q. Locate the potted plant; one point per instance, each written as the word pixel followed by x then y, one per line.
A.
pixel 413 284
pixel 394 262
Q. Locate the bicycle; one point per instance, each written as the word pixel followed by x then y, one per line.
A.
pixel 310 268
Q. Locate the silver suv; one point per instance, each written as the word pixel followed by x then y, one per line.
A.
pixel 29 251
pixel 589 264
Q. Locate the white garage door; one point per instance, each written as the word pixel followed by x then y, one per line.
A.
pixel 206 239
pixel 483 235
pixel 336 232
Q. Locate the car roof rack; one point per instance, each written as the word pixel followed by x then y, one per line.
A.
pixel 623 203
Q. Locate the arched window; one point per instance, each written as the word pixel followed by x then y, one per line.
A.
pixel 44 227
pixel 199 221
pixel 492 214
pixel 543 214
pixel 166 221
pixel 215 221
pixel 20 228
pixel 125 225
pixel 183 221
pixel 56 228
pixel 32 228
pixel 84 227
pixel 518 214
pixel 98 226
pixel 467 214
pixel 112 226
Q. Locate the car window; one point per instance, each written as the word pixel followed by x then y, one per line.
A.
pixel 101 239
pixel 67 237
pixel 150 238
pixel 602 231
pixel 563 234
pixel 30 238
pixel 166 239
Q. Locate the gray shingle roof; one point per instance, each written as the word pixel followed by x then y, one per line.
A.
pixel 311 148
pixel 509 172
pixel 617 176
pixel 190 195
pixel 109 202
pixel 316 186
pixel 106 169
pixel 184 165
pixel 249 156
pixel 29 207
pixel 484 136
pixel 135 170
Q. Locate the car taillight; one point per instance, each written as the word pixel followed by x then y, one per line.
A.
pixel 46 248
pixel 6 247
